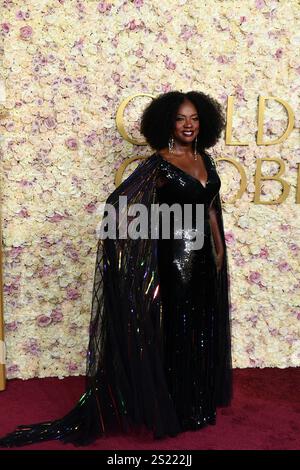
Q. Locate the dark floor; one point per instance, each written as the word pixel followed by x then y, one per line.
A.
pixel 265 414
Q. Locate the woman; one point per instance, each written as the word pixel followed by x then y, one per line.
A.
pixel 159 352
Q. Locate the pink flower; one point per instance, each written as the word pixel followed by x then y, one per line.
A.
pixel 11 288
pixel 91 139
pixel 138 3
pixel 116 78
pixel 76 182
pixel 115 41
pixel 16 251
pixel 50 122
pixel 5 27
pixel 169 64
pixel 32 347
pixel 72 367
pixel 166 87
pixel 222 59
pixel 230 238
pixel 162 37
pixel 254 277
pixel 263 253
pixel 290 339
pixel 279 53
pixel 55 217
pixel 71 252
pixel 71 143
pixel 72 293
pixel 79 43
pixel 260 4
pixel 56 315
pixel 22 15
pixel 239 261
pixel 81 7
pixel 23 213
pixel 26 32
pixel 25 183
pixel 187 32
pixel 223 97
pixel 90 207
pixel 12 368
pixel 295 312
pixel 250 39
pixel 243 19
pixel 250 348
pixel 46 271
pixel 43 320
pixel 12 326
pixel 284 266
pixel 10 126
pixel 253 319
pixel 239 92
pixel 139 52
pixel 103 7
pixel 285 227
pixel 132 25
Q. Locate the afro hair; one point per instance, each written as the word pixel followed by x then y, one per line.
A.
pixel 158 118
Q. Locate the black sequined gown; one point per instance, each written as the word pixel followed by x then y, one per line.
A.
pixel 159 352
pixel 188 291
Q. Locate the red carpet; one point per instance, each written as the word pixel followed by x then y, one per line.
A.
pixel 265 414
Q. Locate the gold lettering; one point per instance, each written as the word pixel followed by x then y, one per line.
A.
pixel 259 177
pixel 242 173
pixel 120 118
pixel 122 168
pixel 228 133
pixel 260 123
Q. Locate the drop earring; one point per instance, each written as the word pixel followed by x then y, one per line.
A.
pixel 195 150
pixel 171 144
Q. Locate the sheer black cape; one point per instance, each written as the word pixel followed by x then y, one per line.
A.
pixel 125 381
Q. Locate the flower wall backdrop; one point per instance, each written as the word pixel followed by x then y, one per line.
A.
pixel 66 67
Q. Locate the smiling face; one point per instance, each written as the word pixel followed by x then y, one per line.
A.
pixel 186 126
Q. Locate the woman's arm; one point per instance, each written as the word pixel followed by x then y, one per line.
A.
pixel 216 236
